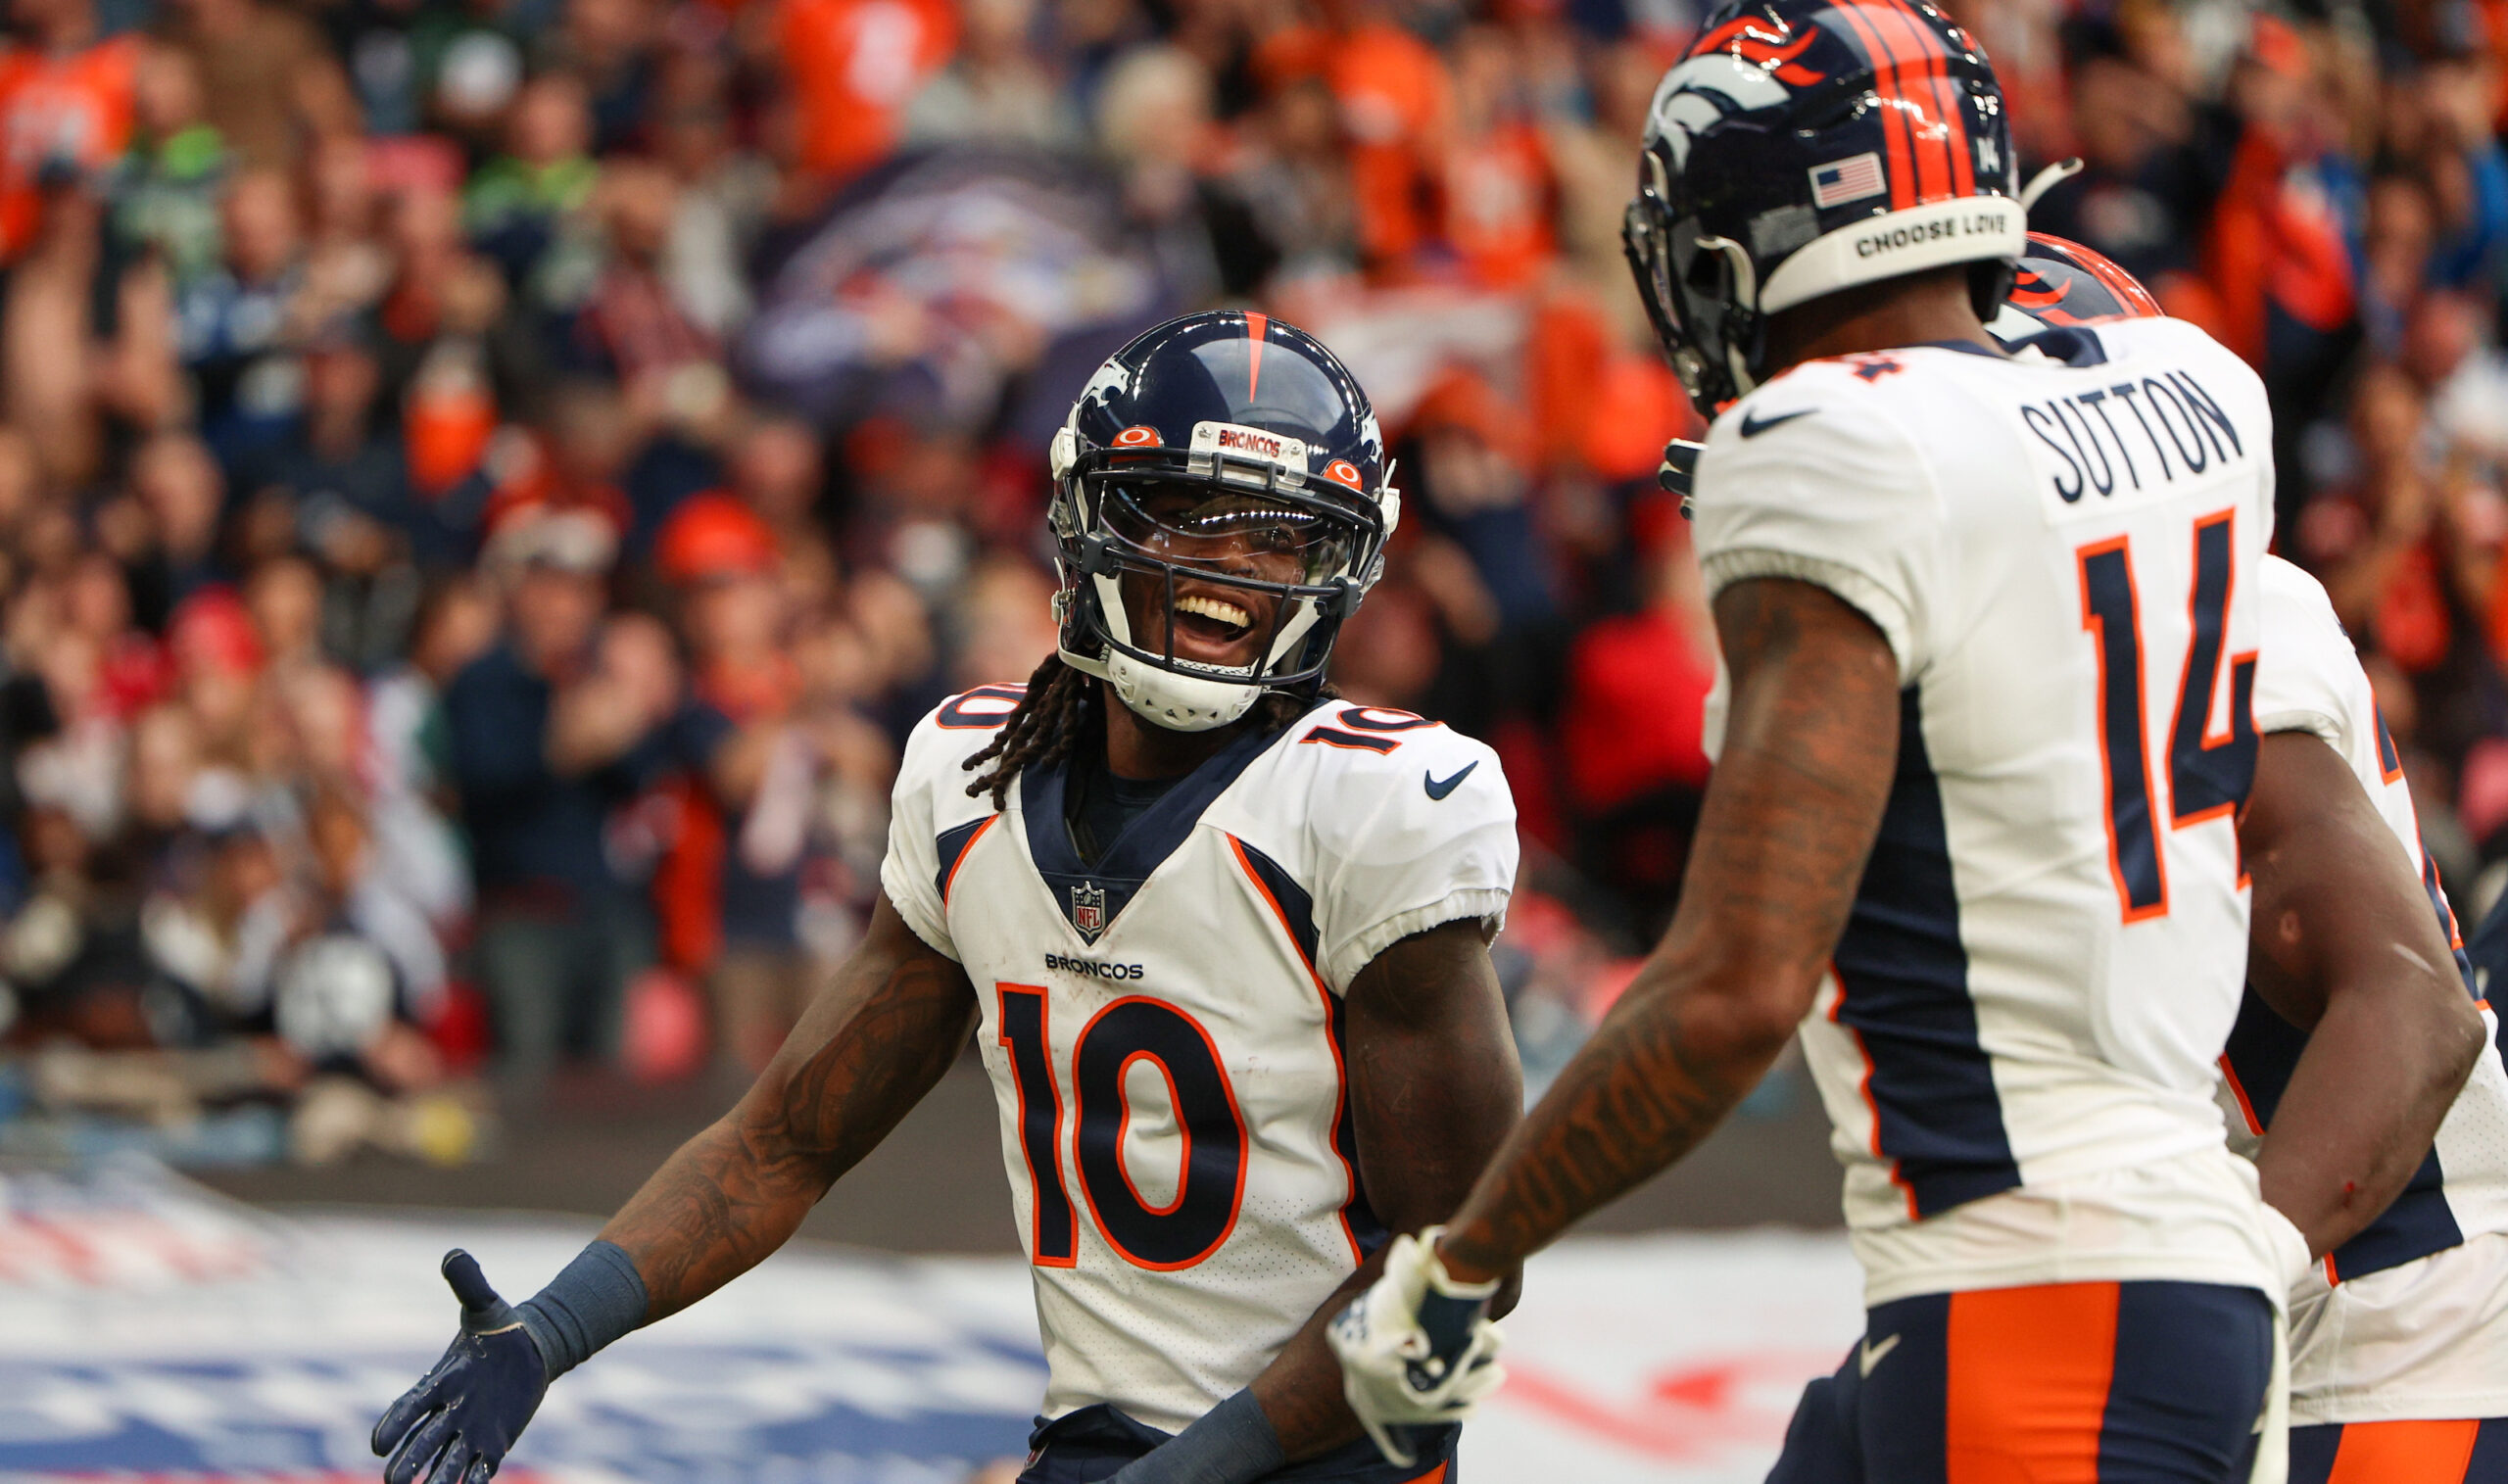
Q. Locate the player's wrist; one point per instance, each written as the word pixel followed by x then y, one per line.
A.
pixel 1233 1443
pixel 593 1301
pixel 1459 1266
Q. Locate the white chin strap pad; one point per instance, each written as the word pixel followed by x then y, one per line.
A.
pixel 1178 703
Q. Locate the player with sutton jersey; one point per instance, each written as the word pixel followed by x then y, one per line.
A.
pixel 1989 630
pixel 2399 1336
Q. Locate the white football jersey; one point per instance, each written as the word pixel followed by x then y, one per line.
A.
pixel 1163 1028
pixel 2016 1042
pixel 2431 1341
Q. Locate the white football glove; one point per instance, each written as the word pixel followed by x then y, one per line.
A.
pixel 1417 1349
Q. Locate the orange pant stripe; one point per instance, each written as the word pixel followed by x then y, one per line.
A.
pixel 2027 1385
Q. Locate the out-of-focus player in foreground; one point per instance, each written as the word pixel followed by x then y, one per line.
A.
pixel 2400 1339
pixel 1988 626
pixel 1222 941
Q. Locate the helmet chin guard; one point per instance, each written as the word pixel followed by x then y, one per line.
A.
pixel 1179 702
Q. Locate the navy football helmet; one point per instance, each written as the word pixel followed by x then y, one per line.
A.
pixel 1800 146
pixel 1225 474
pixel 2060 283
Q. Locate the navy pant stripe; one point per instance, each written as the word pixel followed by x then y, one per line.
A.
pixel 2192 1361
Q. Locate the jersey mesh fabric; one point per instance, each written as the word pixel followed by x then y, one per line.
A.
pixel 1220 931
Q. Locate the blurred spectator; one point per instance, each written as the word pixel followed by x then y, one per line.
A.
pixel 996 90
pixel 243 324
pixel 516 203
pixel 166 194
pixel 67 96
pixel 372 375
pixel 539 728
pixel 852 66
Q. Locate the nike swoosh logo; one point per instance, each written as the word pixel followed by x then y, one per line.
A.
pixel 1752 426
pixel 1439 788
pixel 1873 1354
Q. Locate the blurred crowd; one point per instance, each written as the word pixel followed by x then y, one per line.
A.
pixel 486 484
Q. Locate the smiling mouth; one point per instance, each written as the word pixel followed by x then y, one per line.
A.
pixel 1212 619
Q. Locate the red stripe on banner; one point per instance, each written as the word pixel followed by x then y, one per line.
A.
pixel 1894 120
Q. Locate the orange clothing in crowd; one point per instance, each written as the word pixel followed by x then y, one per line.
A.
pixel 853 64
pixel 2274 239
pixel 71 109
pixel 1498 206
pixel 1394 97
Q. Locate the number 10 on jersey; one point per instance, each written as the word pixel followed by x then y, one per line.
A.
pixel 2208 772
pixel 1210 1168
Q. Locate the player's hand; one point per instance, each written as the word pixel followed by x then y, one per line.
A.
pixel 454 1425
pixel 1417 1349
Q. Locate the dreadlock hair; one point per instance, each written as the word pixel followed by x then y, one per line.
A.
pixel 1059 712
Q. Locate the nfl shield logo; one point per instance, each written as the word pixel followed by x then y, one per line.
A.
pixel 1089 910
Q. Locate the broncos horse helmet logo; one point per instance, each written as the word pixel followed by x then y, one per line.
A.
pixel 1738 67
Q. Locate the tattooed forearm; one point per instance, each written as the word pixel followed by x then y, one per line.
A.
pixel 869 1048
pixel 1788 822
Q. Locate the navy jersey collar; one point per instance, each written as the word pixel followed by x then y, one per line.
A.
pixel 1143 846
pixel 2075 345
pixel 1965 346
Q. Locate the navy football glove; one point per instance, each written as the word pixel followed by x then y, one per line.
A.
pixel 464 1415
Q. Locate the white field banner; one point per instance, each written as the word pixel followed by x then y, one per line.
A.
pixel 148 1329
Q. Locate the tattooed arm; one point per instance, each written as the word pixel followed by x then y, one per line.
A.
pixel 1434 1087
pixel 867 1050
pixel 1790 815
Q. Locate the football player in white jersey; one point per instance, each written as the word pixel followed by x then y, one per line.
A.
pixel 2399 1337
pixel 1988 625
pixel 1221 941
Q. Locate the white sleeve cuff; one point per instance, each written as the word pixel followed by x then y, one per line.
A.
pixel 935 934
pixel 1486 904
pixel 1857 589
pixel 2316 723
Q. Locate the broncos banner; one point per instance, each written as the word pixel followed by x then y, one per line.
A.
pixel 151 1330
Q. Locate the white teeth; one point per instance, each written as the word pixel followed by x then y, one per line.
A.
pixel 1211 607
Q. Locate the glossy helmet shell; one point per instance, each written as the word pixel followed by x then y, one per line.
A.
pixel 1234 400
pixel 2062 283
pixel 1800 146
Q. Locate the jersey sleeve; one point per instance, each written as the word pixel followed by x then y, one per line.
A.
pixel 1422 836
pixel 930 797
pixel 1810 479
pixel 2307 679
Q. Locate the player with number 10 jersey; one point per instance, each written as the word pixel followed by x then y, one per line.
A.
pixel 1221 940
